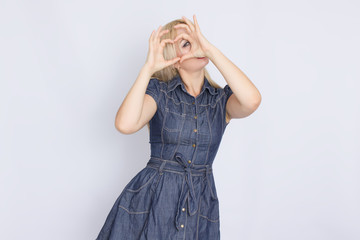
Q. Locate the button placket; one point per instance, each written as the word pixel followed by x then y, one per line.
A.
pixel 184 215
pixel 195 129
pixel 185 222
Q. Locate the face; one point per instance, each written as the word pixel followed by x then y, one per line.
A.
pixel 183 46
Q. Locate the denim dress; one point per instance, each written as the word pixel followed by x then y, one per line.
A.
pixel 174 195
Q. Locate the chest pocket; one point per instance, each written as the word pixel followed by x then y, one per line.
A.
pixel 172 126
pixel 173 121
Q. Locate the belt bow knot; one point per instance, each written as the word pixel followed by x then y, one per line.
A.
pixel 188 191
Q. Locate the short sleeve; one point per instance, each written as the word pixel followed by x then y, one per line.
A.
pixel 227 95
pixel 153 89
pixel 228 92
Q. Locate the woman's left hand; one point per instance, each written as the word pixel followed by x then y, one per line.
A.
pixel 199 45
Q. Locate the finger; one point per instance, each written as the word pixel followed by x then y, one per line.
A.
pixel 186 56
pixel 151 36
pixel 184 36
pixel 164 41
pixel 183 25
pixel 157 33
pixel 197 28
pixel 163 32
pixel 151 39
pixel 189 23
pixel 172 61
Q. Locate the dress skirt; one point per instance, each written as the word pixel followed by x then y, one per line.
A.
pixel 164 201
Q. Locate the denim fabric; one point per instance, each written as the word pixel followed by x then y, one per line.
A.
pixel 174 195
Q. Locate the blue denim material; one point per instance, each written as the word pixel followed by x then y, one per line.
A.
pixel 174 195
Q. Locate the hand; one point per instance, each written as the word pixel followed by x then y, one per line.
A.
pixel 155 59
pixel 200 47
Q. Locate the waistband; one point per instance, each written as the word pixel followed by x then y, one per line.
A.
pixel 178 166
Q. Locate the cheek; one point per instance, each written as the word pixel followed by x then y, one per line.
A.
pixel 179 50
pixel 178 53
pixel 184 50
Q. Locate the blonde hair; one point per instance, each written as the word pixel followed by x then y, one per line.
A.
pixel 168 73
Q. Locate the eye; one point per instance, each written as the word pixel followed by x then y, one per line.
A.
pixel 186 43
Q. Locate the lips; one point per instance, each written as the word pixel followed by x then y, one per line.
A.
pixel 201 58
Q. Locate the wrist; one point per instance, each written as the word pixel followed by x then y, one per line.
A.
pixel 148 69
pixel 211 51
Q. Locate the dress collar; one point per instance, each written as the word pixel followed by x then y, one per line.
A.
pixel 176 81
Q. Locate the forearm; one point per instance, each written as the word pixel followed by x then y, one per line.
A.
pixel 244 90
pixel 130 110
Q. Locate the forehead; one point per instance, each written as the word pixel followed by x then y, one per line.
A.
pixel 180 30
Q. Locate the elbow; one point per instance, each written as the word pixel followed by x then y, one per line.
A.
pixel 123 128
pixel 256 102
pixel 255 106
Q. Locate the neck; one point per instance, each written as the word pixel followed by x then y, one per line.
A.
pixel 193 81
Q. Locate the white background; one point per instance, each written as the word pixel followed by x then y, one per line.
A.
pixel 290 170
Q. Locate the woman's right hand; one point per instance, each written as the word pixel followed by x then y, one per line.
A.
pixel 155 58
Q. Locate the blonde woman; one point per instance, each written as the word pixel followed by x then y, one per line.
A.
pixel 174 195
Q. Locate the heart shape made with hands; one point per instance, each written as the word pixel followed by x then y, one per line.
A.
pixel 199 45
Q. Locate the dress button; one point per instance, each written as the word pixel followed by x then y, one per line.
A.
pixel 193 103
pixel 195 117
pixel 194 145
pixel 182 225
pixel 195 130
pixel 189 161
pixel 183 209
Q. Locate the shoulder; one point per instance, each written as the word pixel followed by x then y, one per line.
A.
pixel 156 84
pixel 222 94
pixel 226 93
pixel 155 88
pixel 227 90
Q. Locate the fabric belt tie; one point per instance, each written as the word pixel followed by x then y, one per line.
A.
pixel 188 191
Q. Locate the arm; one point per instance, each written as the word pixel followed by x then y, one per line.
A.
pixel 137 108
pixel 245 98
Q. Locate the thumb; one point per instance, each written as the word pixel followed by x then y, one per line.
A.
pixel 184 57
pixel 172 61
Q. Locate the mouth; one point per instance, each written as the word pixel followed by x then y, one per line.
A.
pixel 201 58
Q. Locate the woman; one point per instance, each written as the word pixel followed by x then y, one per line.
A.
pixel 174 196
